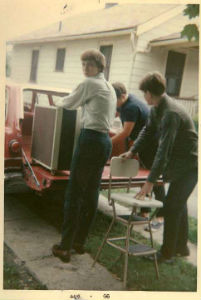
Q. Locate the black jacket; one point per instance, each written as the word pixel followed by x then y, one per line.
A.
pixel 177 148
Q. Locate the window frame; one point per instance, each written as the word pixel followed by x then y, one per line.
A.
pixel 108 63
pixel 176 92
pixel 59 65
pixel 33 73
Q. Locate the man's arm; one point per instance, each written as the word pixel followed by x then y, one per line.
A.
pixel 126 131
pixel 143 137
pixel 139 144
pixel 169 128
pixel 141 141
pixel 75 99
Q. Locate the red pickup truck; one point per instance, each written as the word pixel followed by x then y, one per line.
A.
pixel 20 107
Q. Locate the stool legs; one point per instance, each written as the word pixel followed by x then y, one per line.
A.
pixel 155 258
pixel 156 266
pixel 126 255
pixel 103 242
pixel 126 252
pixel 151 236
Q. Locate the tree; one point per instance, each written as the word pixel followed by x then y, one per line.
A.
pixel 191 30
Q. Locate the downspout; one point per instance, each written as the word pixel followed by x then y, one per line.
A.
pixel 134 40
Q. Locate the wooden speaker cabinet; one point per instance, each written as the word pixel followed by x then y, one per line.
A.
pixel 54 135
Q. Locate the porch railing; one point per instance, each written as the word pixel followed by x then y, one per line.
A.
pixel 190 104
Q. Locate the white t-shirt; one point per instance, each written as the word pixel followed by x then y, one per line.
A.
pixel 98 100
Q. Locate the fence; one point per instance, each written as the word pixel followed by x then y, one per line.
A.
pixel 191 105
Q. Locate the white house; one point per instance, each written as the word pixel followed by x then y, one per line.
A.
pixel 135 38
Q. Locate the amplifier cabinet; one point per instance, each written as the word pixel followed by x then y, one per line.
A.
pixel 54 135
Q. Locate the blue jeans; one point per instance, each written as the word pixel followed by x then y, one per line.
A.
pixel 81 197
pixel 175 235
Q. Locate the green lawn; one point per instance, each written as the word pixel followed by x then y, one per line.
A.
pixel 192 235
pixel 141 273
pixel 16 276
pixel 181 276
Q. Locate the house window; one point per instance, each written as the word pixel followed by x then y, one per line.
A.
pixel 174 72
pixel 34 65
pixel 60 59
pixel 107 51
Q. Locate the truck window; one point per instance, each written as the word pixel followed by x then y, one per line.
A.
pixel 27 98
pixel 41 99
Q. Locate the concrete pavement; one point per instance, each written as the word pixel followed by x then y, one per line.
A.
pixel 31 239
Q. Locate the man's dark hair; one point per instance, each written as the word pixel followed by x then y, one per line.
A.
pixel 154 82
pixel 119 88
pixel 95 56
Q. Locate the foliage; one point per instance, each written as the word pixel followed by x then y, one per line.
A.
pixel 195 120
pixel 192 10
pixel 181 276
pixel 16 276
pixel 192 235
pixel 191 30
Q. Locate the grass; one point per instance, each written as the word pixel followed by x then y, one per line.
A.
pixel 192 235
pixel 192 222
pixel 16 276
pixel 180 276
pixel 196 122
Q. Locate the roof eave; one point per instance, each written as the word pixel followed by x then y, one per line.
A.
pixel 74 37
pixel 178 41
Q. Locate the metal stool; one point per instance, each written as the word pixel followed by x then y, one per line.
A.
pixel 128 168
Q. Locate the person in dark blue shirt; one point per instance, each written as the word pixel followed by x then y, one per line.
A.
pixel 134 115
pixel 132 112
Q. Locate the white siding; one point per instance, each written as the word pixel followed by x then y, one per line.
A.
pixel 121 62
pixel 149 60
pixel 120 68
pixel 144 63
pixel 189 87
pixel 156 61
pixel 173 25
pixel 72 73
pixel 21 62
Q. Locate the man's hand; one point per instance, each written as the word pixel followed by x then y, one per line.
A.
pixel 126 155
pixel 145 190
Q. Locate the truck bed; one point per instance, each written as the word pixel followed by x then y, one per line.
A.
pixel 60 178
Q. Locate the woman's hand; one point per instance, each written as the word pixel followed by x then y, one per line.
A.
pixel 126 155
pixel 145 190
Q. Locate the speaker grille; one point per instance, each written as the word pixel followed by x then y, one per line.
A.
pixel 54 132
pixel 43 134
